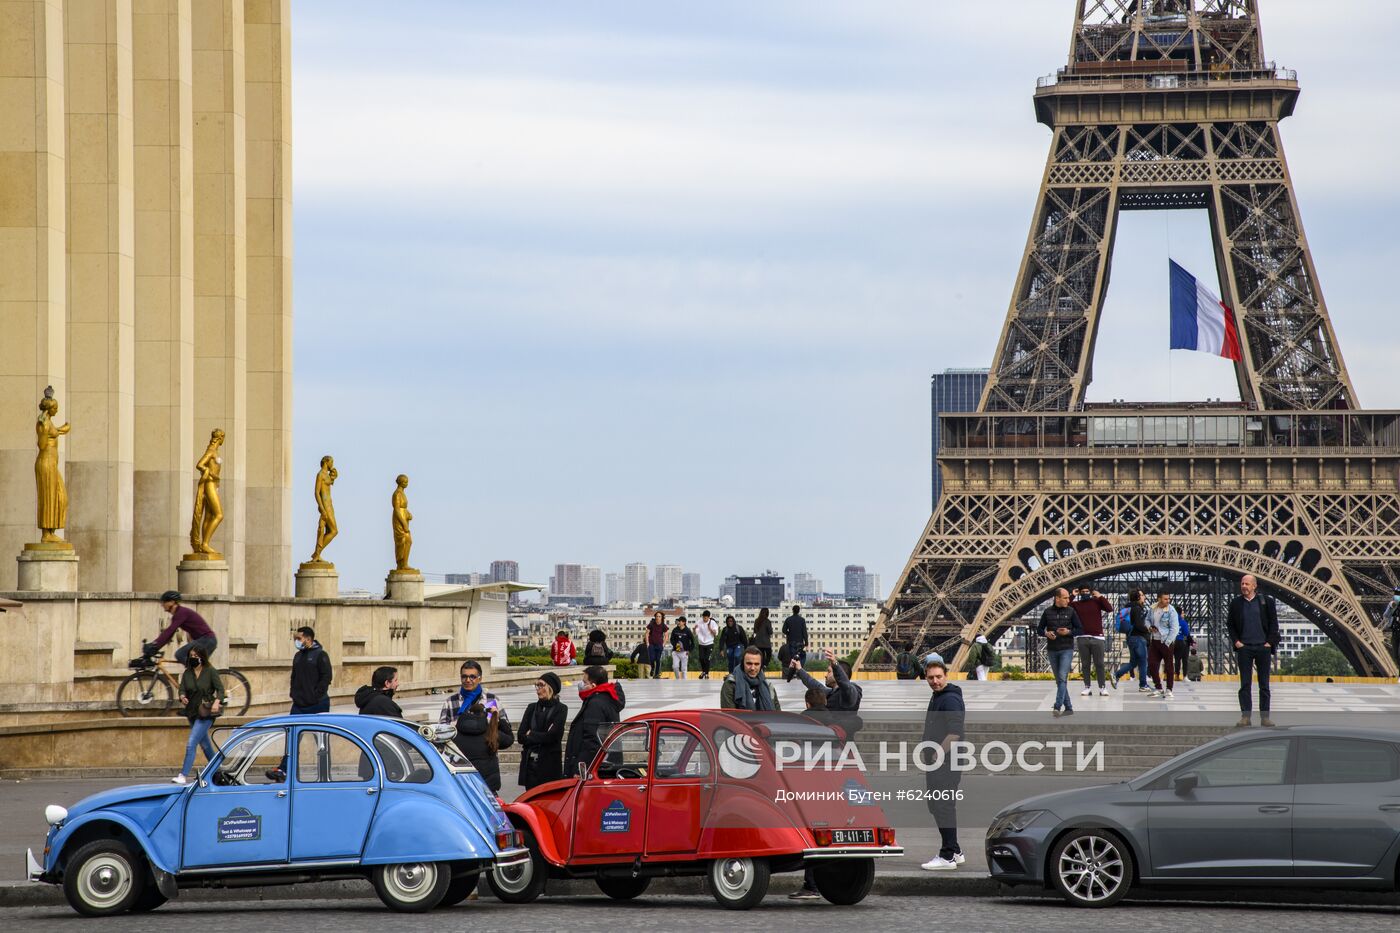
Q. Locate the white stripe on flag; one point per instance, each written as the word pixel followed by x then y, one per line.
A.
pixel 1210 321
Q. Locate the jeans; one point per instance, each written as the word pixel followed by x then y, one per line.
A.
pixel 199 737
pixel 207 644
pixel 1090 649
pixel 655 652
pixel 942 785
pixel 1060 662
pixel 1259 658
pixel 1159 652
pixel 320 706
pixel 735 656
pixel 680 663
pixel 1180 651
pixel 1137 658
pixel 705 659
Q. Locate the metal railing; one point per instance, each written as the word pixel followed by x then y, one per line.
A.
pixel 1165 80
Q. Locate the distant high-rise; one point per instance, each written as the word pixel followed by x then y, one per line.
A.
pixel 468 579
pixel 613 588
pixel 954 390
pixel 855 581
pixel 805 586
pixel 872 586
pixel 669 581
pixel 690 586
pixel 635 586
pixel 756 592
pixel 729 587
pixel 593 583
pixel 505 571
pixel 567 580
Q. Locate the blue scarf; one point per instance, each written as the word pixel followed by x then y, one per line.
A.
pixel 465 699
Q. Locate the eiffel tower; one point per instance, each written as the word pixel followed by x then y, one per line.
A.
pixel 1165 104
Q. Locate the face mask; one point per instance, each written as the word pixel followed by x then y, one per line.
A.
pixel 192 661
pixel 296 645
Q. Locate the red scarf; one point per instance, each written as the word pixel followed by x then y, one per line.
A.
pixel 609 688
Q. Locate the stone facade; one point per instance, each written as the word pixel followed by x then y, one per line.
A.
pixel 145 273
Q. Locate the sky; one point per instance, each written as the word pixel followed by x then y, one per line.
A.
pixel 665 281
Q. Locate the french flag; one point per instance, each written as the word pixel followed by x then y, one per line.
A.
pixel 1200 320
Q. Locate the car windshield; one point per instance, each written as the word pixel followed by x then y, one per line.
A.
pixel 788 727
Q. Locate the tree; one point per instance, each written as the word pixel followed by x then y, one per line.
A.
pixel 1320 661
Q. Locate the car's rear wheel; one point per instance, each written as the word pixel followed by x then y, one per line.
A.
pixel 520 882
pixel 738 883
pixel 623 889
pixel 412 887
pixel 460 888
pixel 844 881
pixel 1091 868
pixel 103 878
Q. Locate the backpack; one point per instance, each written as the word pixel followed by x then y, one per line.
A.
pixel 1125 621
pixel 904 663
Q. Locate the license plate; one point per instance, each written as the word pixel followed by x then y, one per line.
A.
pixel 846 837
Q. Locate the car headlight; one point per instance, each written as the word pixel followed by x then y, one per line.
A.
pixel 54 814
pixel 1013 822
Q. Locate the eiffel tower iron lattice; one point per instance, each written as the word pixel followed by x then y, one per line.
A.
pixel 1164 104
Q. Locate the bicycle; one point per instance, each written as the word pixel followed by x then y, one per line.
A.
pixel 152 690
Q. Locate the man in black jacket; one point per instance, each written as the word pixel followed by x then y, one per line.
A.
pixel 375 697
pixel 944 724
pixel 842 696
pixel 794 642
pixel 602 705
pixel 311 674
pixel 1253 624
pixel 1059 626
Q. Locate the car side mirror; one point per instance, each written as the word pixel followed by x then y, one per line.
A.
pixel 1185 783
pixel 583 770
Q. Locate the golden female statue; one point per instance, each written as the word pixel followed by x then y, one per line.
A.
pixel 403 540
pixel 326 528
pixel 208 511
pixel 53 495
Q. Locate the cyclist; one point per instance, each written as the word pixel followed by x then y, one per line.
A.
pixel 197 631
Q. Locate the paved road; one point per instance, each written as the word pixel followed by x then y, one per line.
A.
pixel 776 913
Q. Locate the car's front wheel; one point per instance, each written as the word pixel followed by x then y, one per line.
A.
pixel 520 882
pixel 623 889
pixel 844 881
pixel 103 878
pixel 1091 868
pixel 738 883
pixel 412 887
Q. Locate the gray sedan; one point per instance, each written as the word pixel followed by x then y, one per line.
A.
pixel 1307 805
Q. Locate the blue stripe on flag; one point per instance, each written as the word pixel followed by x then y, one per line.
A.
pixel 1184 330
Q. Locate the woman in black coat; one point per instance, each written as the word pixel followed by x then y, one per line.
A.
pixel 541 734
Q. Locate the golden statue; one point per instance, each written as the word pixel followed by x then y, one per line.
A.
pixel 208 511
pixel 403 539
pixel 53 495
pixel 326 528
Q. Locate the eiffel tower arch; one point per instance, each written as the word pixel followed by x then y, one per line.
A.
pixel 1164 104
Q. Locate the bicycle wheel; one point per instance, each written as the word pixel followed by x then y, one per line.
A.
pixel 240 694
pixel 144 692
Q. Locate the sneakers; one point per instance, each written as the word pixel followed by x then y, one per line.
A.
pixel 1057 714
pixel 1158 694
pixel 179 779
pixel 1167 695
pixel 1244 722
pixel 939 863
pixel 959 857
pixel 1087 691
pixel 1146 690
pixel 803 894
pixel 1103 691
pixel 1069 711
pixel 1266 722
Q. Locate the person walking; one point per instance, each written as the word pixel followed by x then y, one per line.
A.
pixel 682 643
pixel 601 704
pixel 763 634
pixel 906 663
pixel 1059 625
pixel 980 657
pixel 1181 648
pixel 562 653
pixel 1253 624
pixel 376 698
pixel 1136 636
pixel 746 688
pixel 733 640
pixel 541 734
pixel 1391 617
pixel 1163 622
pixel 656 642
pixel 311 674
pixel 596 651
pixel 944 724
pixel 641 656
pixel 185 619
pixel 1090 605
pixel 794 642
pixel 705 631
pixel 203 696
pixel 482 727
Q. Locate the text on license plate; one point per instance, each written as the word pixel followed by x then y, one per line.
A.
pixel 845 837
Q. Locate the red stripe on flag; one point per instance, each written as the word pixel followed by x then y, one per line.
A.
pixel 1230 347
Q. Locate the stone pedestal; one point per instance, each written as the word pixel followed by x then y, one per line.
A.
pixel 404 585
pixel 52 567
pixel 317 579
pixel 202 575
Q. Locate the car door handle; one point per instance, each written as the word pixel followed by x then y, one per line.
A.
pixel 1390 807
pixel 371 790
pixel 1273 809
pixel 641 788
pixel 281 793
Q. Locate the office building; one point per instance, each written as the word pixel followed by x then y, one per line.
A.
pixel 505 571
pixel 613 590
pixel 668 579
pixel 636 583
pixel 765 589
pixel 690 586
pixel 855 581
pixel 592 585
pixel 806 587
